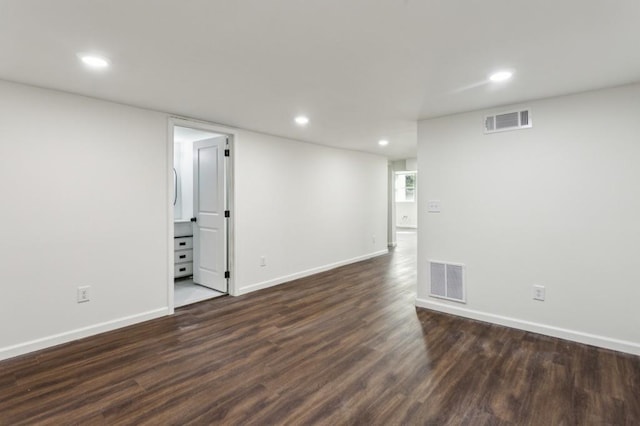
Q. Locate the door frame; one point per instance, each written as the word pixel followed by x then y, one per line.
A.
pixel 232 134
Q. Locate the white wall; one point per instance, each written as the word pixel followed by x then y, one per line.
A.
pixel 183 163
pixel 85 202
pixel 177 166
pixel 556 205
pixel 85 184
pixel 305 207
pixel 406 214
pixel 411 164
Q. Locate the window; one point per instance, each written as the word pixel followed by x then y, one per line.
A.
pixel 406 186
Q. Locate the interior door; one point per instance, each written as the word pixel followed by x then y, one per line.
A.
pixel 209 204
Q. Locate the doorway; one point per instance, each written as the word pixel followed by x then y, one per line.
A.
pixel 406 200
pixel 403 199
pixel 200 195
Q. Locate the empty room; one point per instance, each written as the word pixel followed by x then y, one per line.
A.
pixel 374 212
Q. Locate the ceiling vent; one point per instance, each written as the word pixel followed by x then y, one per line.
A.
pixel 508 121
pixel 447 281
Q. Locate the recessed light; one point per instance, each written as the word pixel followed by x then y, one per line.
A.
pixel 94 61
pixel 302 120
pixel 383 142
pixel 501 76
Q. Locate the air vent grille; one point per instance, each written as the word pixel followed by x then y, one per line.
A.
pixel 505 121
pixel 447 281
pixel 512 120
pixel 490 123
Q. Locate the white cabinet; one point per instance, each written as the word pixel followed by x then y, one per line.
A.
pixel 182 243
pixel 183 270
pixel 183 256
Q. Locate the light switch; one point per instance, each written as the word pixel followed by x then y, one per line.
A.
pixel 433 206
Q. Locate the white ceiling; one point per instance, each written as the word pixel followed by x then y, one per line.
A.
pixel 362 70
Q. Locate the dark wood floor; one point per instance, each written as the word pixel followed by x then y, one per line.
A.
pixel 342 347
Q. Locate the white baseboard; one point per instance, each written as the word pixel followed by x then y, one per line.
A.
pixel 287 278
pixel 79 333
pixel 562 333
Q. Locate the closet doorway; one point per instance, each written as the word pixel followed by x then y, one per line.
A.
pixel 201 175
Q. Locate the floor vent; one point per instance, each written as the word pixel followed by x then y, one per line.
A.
pixel 508 121
pixel 447 281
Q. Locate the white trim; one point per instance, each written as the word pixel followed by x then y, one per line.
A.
pixel 80 333
pixel 391 206
pixel 547 330
pixel 170 218
pixel 302 274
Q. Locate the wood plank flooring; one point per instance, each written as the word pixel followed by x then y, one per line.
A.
pixel 342 347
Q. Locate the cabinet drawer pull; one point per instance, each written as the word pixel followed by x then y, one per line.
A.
pixel 181 243
pixel 183 269
pixel 183 256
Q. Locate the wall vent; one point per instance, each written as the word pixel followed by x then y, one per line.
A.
pixel 447 281
pixel 513 120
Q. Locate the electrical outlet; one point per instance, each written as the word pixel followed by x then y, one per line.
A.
pixel 538 292
pixel 433 206
pixel 263 260
pixel 83 294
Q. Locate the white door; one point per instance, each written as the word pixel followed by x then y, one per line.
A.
pixel 209 201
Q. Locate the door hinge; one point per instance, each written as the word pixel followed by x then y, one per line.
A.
pixel 227 213
pixel 227 274
pixel 227 152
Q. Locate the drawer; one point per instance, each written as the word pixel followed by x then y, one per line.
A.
pixel 183 270
pixel 182 243
pixel 182 256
